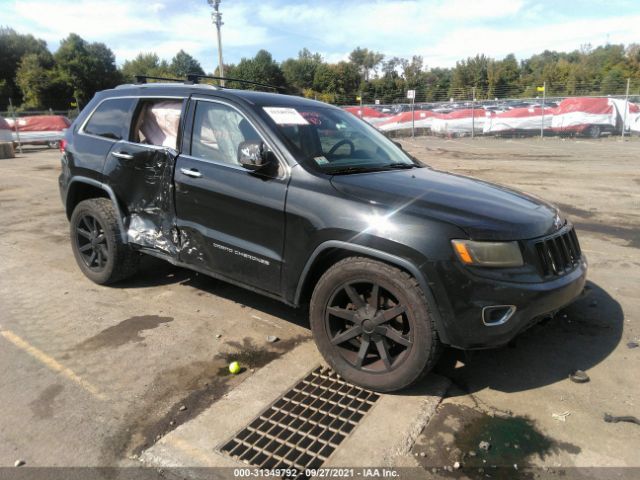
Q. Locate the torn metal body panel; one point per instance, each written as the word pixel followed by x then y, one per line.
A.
pixel 142 178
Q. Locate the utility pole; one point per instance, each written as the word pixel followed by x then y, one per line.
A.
pixel 626 107
pixel 216 16
pixel 15 125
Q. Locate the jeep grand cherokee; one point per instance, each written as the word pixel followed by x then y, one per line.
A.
pixel 305 203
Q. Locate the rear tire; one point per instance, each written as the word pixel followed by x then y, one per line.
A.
pixel 372 324
pixel 593 131
pixel 97 243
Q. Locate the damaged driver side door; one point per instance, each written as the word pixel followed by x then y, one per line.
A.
pixel 140 172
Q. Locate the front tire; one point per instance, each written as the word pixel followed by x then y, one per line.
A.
pixel 97 243
pixel 372 324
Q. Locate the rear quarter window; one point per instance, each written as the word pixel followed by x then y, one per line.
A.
pixel 111 119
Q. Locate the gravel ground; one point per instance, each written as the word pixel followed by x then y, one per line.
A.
pixel 597 184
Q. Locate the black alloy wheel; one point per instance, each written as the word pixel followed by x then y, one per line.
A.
pixel 369 326
pixel 92 243
pixel 98 244
pixel 373 325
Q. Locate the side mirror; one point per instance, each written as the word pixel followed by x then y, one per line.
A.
pixel 252 155
pixel 398 144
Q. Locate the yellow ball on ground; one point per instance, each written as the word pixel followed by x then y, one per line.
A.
pixel 234 367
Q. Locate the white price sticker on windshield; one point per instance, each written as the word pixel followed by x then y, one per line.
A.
pixel 285 116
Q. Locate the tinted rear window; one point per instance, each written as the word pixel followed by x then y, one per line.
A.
pixel 111 119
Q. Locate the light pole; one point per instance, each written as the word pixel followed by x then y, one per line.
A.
pixel 216 16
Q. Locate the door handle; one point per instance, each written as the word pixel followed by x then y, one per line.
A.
pixel 191 172
pixel 122 155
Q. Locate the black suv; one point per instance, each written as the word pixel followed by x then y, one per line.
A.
pixel 306 203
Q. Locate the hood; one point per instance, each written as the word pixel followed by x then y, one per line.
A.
pixel 484 210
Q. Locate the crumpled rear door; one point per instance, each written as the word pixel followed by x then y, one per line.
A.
pixel 142 178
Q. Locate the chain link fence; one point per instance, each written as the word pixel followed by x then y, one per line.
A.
pixel 71 114
pixel 589 116
pixel 593 109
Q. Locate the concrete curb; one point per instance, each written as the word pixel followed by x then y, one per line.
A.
pixel 195 444
pixel 383 438
pixel 386 435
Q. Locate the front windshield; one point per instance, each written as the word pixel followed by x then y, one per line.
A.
pixel 335 141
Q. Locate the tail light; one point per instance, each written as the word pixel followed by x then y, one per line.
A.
pixel 63 145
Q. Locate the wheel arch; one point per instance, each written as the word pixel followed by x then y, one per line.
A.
pixel 84 188
pixel 332 251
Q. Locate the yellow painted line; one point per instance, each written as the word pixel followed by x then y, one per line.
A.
pixel 51 363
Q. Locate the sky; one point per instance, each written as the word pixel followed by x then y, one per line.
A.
pixel 442 31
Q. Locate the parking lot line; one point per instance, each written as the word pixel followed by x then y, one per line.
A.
pixel 51 363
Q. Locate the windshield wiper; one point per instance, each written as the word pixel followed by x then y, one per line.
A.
pixel 372 168
pixel 400 165
pixel 339 171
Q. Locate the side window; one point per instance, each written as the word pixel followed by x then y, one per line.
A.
pixel 218 130
pixel 111 119
pixel 157 122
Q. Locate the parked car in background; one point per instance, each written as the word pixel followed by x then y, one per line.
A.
pixel 39 129
pixel 586 116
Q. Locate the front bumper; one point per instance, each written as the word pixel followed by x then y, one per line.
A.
pixel 462 300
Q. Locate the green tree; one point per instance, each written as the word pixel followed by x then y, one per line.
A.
pixel 324 79
pixel 145 64
pixel 88 67
pixel 503 77
pixel 341 80
pixel 261 68
pixel 437 84
pixel 183 64
pixel 614 81
pixel 413 72
pixel 13 46
pixel 32 77
pixel 300 72
pixel 470 73
pixel 41 84
pixel 367 61
pixel 391 66
pixel 389 86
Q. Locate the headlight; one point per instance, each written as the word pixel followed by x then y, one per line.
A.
pixel 488 254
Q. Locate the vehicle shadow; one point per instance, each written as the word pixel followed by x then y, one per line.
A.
pixel 155 272
pixel 577 338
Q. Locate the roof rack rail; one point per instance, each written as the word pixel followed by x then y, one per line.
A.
pixel 195 77
pixel 144 78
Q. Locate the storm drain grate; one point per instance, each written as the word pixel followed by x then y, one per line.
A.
pixel 304 426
